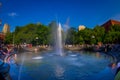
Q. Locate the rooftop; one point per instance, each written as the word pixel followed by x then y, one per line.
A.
pixel 110 23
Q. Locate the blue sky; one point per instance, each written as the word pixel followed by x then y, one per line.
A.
pixel 79 12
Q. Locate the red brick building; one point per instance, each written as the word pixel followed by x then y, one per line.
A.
pixel 110 23
pixel 2 37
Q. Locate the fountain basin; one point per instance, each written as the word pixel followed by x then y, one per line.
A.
pixel 73 66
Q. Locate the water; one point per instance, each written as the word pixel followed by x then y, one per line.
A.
pixel 56 40
pixel 59 50
pixel 65 65
pixel 73 66
pixel 20 69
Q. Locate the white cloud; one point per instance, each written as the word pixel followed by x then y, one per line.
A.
pixel 0 4
pixel 12 14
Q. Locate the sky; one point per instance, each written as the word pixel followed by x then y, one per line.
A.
pixel 72 12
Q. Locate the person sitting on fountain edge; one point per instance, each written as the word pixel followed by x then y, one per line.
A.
pixel 117 75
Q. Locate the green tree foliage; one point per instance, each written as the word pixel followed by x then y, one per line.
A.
pixel 53 31
pixel 115 28
pixel 9 38
pixel 80 40
pixel 88 36
pixel 99 33
pixel 71 36
pixel 28 34
pixel 113 36
pixel 44 34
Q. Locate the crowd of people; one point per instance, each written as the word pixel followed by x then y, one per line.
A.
pixel 6 51
pixel 114 51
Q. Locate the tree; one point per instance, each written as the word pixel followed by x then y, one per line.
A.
pixel 87 36
pixel 99 33
pixel 71 36
pixel 28 34
pixel 113 35
pixel 80 40
pixel 9 38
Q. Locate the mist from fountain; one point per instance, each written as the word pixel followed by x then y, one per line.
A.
pixel 21 66
pixel 59 46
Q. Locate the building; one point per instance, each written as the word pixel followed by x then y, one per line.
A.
pixel 2 37
pixel 110 23
pixel 81 27
pixel 6 28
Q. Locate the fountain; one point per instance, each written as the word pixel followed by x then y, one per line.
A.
pixel 74 66
pixel 59 49
pixel 57 38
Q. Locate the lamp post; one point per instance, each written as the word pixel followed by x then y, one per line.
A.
pixel 93 36
pixel 36 48
pixel 36 41
pixel 93 39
